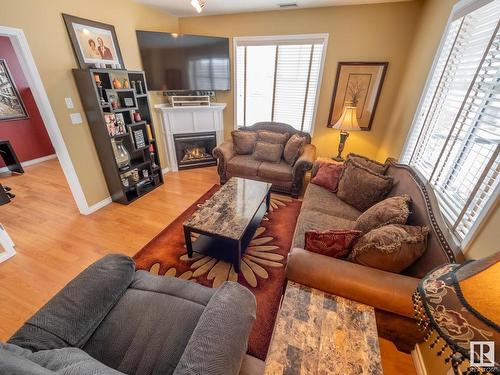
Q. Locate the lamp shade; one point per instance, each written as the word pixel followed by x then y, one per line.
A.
pixel 460 303
pixel 348 121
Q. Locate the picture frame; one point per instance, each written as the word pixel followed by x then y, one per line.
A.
pixel 120 124
pixel 111 125
pixel 12 105
pixel 94 43
pixel 359 83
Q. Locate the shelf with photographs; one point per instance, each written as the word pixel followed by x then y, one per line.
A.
pixel 117 107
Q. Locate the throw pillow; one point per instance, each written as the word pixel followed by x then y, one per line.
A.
pixel 393 210
pixel 333 243
pixel 292 148
pixel 373 165
pixel 361 187
pixel 272 137
pixel 328 176
pixel 244 141
pixel 391 248
pixel 265 151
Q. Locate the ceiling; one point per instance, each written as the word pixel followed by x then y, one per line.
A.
pixel 183 8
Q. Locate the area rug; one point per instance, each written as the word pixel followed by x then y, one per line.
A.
pixel 262 265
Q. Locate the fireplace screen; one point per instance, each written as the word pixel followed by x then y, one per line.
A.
pixel 195 150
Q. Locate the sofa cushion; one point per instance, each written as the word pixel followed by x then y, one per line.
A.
pixel 243 165
pixel 393 210
pixel 273 137
pixel 391 248
pixel 328 176
pixel 335 243
pixel 160 313
pixel 292 148
pixel 373 165
pixel 281 171
pixel 314 220
pixel 265 151
pixel 243 141
pixel 317 198
pixel 361 187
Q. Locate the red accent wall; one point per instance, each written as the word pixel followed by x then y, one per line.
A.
pixel 28 137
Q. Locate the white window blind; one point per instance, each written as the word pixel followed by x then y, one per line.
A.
pixel 455 139
pixel 278 80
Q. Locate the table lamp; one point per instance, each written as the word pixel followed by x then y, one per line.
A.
pixel 346 123
pixel 459 306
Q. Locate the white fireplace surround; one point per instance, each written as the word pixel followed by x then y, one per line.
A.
pixel 187 120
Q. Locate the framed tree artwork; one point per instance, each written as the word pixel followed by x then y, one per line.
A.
pixel 11 103
pixel 95 44
pixel 358 84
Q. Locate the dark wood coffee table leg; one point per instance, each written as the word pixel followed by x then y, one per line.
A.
pixel 189 243
pixel 268 200
pixel 237 256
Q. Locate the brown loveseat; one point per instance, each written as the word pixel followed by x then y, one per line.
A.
pixel 388 292
pixel 284 177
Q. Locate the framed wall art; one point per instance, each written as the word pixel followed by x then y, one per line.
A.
pixel 11 103
pixel 359 83
pixel 95 44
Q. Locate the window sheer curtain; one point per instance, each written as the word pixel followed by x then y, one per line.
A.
pixel 278 80
pixel 455 139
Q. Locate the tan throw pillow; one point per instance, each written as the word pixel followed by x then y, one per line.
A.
pixel 373 165
pixel 393 210
pixel 390 248
pixel 272 137
pixel 292 148
pixel 244 141
pixel 265 151
pixel 362 188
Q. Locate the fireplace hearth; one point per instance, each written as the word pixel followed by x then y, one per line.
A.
pixel 195 150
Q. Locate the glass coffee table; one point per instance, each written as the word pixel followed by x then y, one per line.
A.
pixel 227 221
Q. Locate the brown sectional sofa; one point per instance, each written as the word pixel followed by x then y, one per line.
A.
pixel 389 293
pixel 284 177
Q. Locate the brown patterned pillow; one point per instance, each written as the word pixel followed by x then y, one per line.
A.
pixel 361 187
pixel 244 141
pixel 292 148
pixel 373 165
pixel 390 248
pixel 272 137
pixel 265 151
pixel 393 210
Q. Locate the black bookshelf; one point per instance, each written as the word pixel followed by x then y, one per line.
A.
pixel 143 174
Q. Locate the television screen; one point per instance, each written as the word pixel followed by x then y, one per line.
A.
pixel 184 62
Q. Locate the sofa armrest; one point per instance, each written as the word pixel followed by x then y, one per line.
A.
pixel 219 341
pixel 223 153
pixel 305 160
pixel 383 290
pixel 73 314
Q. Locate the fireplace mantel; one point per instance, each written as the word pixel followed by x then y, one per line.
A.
pixel 189 120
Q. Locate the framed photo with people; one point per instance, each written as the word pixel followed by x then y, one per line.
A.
pixel 11 103
pixel 95 44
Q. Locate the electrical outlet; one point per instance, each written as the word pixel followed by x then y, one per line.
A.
pixel 69 103
pixel 76 118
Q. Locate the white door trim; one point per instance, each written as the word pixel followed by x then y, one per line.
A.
pixel 30 71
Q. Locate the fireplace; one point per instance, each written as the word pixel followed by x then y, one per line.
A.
pixel 195 150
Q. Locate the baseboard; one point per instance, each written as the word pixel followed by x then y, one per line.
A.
pixel 418 361
pixel 97 206
pixel 27 163
pixel 165 170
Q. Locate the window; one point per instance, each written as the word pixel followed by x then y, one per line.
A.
pixel 455 138
pixel 277 79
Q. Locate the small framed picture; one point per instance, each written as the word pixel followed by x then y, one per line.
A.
pixel 11 103
pixel 95 44
pixel 128 102
pixel 110 120
pixel 139 140
pixel 113 99
pixel 120 124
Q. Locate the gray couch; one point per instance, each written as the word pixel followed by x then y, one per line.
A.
pixel 112 319
pixel 285 178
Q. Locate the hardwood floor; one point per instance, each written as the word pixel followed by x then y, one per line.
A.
pixel 54 242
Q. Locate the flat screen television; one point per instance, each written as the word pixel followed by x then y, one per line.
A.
pixel 184 62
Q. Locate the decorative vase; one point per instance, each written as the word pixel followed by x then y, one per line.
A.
pixel 117 84
pixel 126 85
pixel 121 154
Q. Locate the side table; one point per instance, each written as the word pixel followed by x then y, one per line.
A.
pixel 319 333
